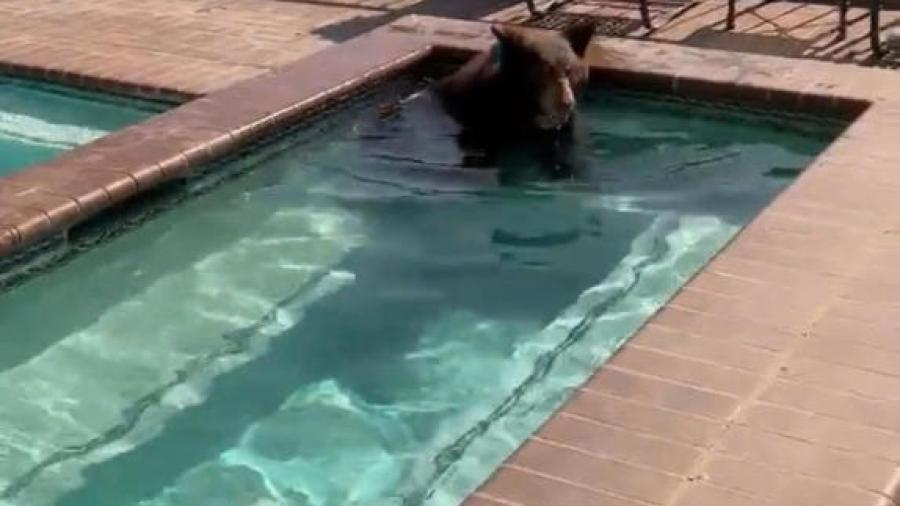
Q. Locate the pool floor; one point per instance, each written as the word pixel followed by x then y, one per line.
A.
pixel 38 121
pixel 359 320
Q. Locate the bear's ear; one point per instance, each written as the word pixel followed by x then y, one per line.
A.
pixel 579 36
pixel 507 36
pixel 511 47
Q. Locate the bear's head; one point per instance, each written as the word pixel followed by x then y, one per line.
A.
pixel 546 68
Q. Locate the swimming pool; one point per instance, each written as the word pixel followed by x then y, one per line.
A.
pixel 38 120
pixel 358 321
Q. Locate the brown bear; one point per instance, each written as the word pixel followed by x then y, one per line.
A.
pixel 524 88
pixel 528 80
pixel 509 107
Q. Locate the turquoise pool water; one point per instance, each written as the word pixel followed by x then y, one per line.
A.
pixel 353 323
pixel 37 121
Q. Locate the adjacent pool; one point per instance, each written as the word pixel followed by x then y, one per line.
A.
pixel 355 319
pixel 37 120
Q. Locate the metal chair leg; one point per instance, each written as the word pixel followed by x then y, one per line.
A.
pixel 645 15
pixel 538 13
pixel 729 20
pixel 875 28
pixel 842 23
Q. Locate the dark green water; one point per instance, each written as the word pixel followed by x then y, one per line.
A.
pixel 358 322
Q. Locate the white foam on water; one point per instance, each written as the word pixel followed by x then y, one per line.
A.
pixel 30 130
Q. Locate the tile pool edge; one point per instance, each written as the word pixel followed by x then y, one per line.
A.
pixel 85 81
pixel 694 384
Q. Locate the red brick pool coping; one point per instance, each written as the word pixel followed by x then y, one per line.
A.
pixel 772 377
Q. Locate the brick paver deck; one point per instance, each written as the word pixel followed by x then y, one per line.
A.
pixel 187 45
pixel 772 378
pixel 197 46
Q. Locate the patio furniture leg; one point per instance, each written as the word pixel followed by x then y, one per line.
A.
pixel 645 15
pixel 729 20
pixel 842 26
pixel 874 28
pixel 537 13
